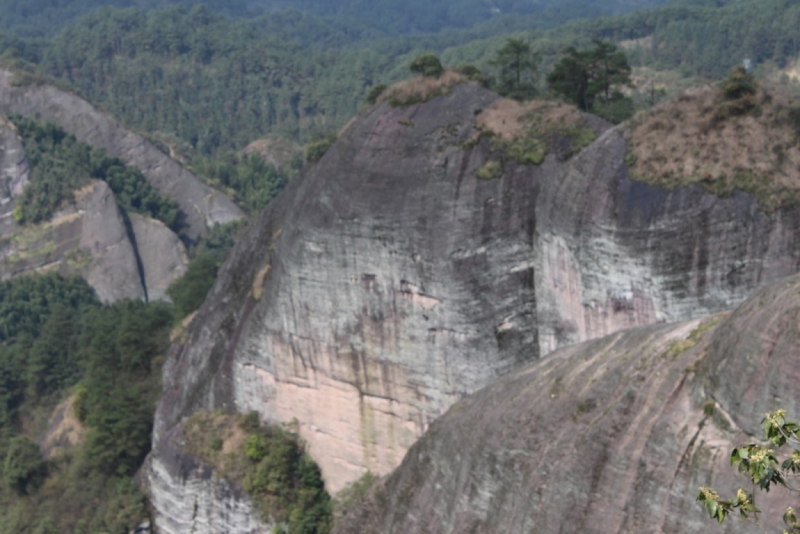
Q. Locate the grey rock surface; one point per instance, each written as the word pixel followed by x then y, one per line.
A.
pixel 387 282
pixel 194 498
pixel 112 270
pixel 201 206
pixel 14 175
pixel 608 436
pixel 162 255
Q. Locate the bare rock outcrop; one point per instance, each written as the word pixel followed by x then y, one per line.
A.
pixel 613 435
pixel 162 255
pixel 194 497
pixel 14 174
pixel 201 206
pixel 388 281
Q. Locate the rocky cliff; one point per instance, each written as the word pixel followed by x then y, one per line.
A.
pixel 614 435
pixel 122 256
pixel 397 276
pixel 201 206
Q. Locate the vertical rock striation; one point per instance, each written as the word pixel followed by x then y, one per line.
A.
pixel 614 435
pixel 387 281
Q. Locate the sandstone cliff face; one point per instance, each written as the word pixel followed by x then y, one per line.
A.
pixel 14 175
pixel 387 282
pixel 201 206
pixel 608 436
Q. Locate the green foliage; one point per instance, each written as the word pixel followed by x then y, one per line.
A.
pixel 285 483
pixel 252 181
pixel 518 64
pixel 57 338
pixel 491 170
pixel 375 93
pixel 60 164
pixel 587 78
pixel 427 65
pixel 316 149
pixel 189 291
pixel 761 466
pixel 23 468
pixel 474 74
pixel 737 94
pixel 256 447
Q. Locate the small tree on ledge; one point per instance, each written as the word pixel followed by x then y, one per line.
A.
pixel 762 467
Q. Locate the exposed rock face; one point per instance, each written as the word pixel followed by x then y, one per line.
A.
pixel 608 436
pixel 112 270
pixel 162 255
pixel 387 282
pixel 14 175
pixel 89 238
pixel 194 498
pixel 200 205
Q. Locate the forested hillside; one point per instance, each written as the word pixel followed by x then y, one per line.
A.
pixel 44 17
pixel 206 84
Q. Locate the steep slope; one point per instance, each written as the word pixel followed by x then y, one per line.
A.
pixel 609 436
pixel 122 256
pixel 387 281
pixel 201 206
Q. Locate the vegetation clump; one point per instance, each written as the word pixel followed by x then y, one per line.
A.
pixel 427 65
pixel 737 94
pixel 763 469
pixel 318 147
pixel 421 89
pixel 269 463
pixel 189 291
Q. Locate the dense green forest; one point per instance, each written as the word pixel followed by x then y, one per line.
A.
pixel 58 340
pixel 214 84
pixel 39 18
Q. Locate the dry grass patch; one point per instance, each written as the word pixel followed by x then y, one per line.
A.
pixel 421 89
pixel 689 141
pixel 526 131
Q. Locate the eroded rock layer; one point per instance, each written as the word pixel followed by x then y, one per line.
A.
pixel 387 281
pixel 614 435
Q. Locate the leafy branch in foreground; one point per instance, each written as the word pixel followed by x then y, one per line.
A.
pixel 760 464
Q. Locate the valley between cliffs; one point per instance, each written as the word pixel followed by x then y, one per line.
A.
pixel 387 282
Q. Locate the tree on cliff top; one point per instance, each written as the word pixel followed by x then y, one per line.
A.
pixel 427 65
pixel 761 466
pixel 588 78
pixel 518 64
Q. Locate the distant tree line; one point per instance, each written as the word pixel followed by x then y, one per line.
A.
pixel 591 79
